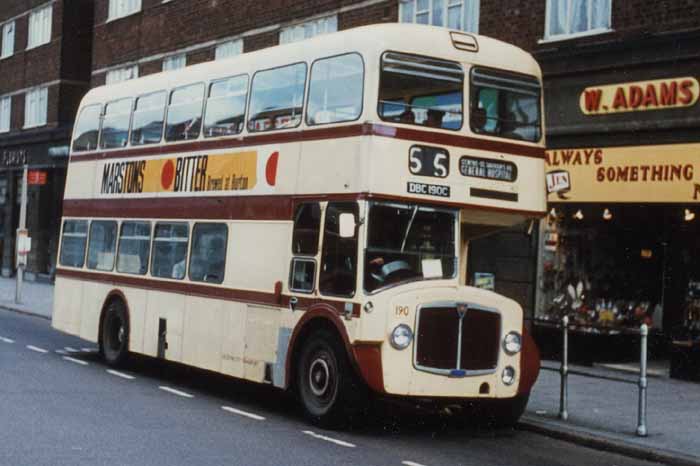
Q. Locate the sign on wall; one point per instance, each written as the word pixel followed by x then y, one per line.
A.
pixel 36 177
pixel 662 173
pixel 659 94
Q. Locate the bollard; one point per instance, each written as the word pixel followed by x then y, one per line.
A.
pixel 564 396
pixel 642 418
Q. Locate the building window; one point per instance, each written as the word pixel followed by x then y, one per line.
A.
pixel 567 18
pixel 122 74
pixel 309 29
pixel 40 27
pixel 5 111
pixel 35 107
pixel 454 14
pixel 175 62
pixel 8 39
pixel 121 8
pixel 228 49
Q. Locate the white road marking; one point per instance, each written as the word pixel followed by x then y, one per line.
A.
pixel 60 351
pixel 121 374
pixel 37 349
pixel 411 463
pixel 7 340
pixel 176 392
pixel 77 361
pixel 329 439
pixel 242 413
pixel 88 350
pixel 70 350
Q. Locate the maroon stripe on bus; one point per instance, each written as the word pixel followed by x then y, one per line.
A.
pixel 271 207
pixel 214 208
pixel 204 291
pixel 335 132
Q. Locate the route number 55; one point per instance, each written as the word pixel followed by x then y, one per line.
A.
pixel 428 161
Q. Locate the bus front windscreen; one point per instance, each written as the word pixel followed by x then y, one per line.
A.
pixel 408 243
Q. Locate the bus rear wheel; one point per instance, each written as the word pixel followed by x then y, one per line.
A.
pixel 114 343
pixel 328 388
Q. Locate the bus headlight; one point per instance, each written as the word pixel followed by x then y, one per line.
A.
pixel 401 337
pixel 508 375
pixel 512 343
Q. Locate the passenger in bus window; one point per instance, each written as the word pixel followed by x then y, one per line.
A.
pixel 407 116
pixel 435 118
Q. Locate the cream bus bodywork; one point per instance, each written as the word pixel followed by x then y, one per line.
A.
pixel 246 326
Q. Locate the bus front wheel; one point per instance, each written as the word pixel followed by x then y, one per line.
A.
pixel 327 386
pixel 114 343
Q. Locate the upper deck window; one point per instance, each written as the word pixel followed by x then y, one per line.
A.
pixel 185 113
pixel 115 125
pixel 421 91
pixel 87 128
pixel 505 105
pixel 335 92
pixel 276 98
pixel 147 125
pixel 226 106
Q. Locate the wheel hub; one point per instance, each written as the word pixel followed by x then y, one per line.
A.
pixel 319 377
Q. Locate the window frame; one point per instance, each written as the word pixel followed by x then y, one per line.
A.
pixel 117 16
pixel 188 274
pixel 10 24
pixel 179 58
pixel 99 128
pixel 465 92
pixel 291 27
pixel 153 248
pixel 103 115
pixel 27 114
pixel 168 100
pixel 540 108
pixel 308 90
pixel 445 11
pixel 150 246
pixel 85 247
pixel 307 259
pixel 221 46
pixel 121 69
pixel 548 37
pixel 303 99
pixel 207 91
pixel 3 99
pixel 162 125
pixel 89 241
pixel 322 245
pixel 49 32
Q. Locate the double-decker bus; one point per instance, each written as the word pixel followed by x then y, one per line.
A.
pixel 301 216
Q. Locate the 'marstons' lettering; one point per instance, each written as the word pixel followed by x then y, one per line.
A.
pixel 123 177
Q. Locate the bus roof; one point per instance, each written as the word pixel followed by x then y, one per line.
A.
pixel 369 41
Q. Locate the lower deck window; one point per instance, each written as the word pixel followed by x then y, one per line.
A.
pixel 103 240
pixel 73 243
pixel 170 250
pixel 134 246
pixel 208 258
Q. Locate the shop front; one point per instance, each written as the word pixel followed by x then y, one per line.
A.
pixel 46 163
pixel 620 246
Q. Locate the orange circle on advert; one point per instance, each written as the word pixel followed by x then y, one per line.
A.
pixel 167 174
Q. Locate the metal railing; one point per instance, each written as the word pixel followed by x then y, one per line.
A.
pixel 641 382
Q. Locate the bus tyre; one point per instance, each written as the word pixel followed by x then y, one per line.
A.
pixel 329 390
pixel 114 343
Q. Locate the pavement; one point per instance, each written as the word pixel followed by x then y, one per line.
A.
pixel 602 410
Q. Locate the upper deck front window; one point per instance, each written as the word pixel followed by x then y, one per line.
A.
pixel 506 105
pixel 421 91
pixel 407 243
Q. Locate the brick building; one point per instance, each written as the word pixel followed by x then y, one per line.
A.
pixel 45 67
